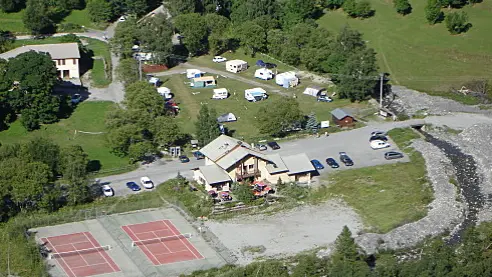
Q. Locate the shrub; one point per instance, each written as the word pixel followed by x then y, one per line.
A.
pixel 403 7
pixel 433 12
pixel 456 22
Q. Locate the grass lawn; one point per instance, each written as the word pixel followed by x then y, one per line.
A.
pixel 245 111
pixel 385 196
pixel 88 117
pixel 81 17
pixel 12 22
pixel 99 48
pixel 419 55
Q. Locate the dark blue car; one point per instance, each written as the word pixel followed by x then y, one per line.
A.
pixel 332 163
pixel 198 155
pixel 317 164
pixel 133 186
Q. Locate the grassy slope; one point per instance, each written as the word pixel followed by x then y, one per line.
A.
pixel 99 48
pixel 88 117
pixel 81 17
pixel 421 56
pixel 385 196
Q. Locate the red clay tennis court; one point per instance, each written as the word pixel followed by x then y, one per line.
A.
pixel 161 242
pixel 80 255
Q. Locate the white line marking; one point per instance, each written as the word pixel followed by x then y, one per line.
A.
pixel 59 264
pixel 184 243
pixel 145 247
pixel 114 270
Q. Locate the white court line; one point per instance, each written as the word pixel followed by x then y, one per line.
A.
pixel 145 246
pixel 101 254
pixel 66 235
pixel 87 265
pixel 59 264
pixel 172 252
pixel 147 231
pixel 185 243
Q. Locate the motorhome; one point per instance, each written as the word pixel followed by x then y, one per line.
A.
pixel 220 93
pixel 236 66
pixel 255 94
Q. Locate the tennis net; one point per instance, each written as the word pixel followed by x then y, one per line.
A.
pixel 158 240
pixel 79 252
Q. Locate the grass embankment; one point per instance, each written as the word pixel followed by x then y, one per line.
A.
pixel 385 196
pixel 422 56
pixel 190 101
pixel 101 76
pixel 88 117
pixel 82 18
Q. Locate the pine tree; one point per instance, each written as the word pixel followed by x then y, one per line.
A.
pixel 433 12
pixel 345 247
pixel 312 122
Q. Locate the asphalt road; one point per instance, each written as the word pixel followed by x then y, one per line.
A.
pixel 354 142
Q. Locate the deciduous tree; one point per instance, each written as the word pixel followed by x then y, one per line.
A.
pixel 160 43
pixel 247 10
pixel 207 128
pixel 73 164
pixel 179 7
pixel 144 100
pixel 127 71
pixel 433 12
pixel 166 131
pixel 296 11
pixel 278 115
pixel 358 76
pixel 252 37
pixel 457 22
pixel 37 17
pixel 125 35
pixel 194 29
pixel 9 6
pixel 99 10
pixel 7 39
pixel 402 6
pixel 141 150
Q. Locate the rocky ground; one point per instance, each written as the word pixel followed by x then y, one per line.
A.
pixel 285 233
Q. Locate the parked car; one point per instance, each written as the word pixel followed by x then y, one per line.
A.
pixel 261 147
pixel 379 144
pixel 133 186
pixel 184 159
pixel 146 182
pixel 75 99
pixel 198 155
pixel 317 164
pixel 392 155
pixel 273 145
pixel 107 190
pixel 324 98
pixel 122 19
pixel 332 163
pixel 270 65
pixel 379 137
pixel 219 59
pixel 378 133
pixel 346 159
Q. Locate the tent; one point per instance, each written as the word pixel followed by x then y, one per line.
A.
pixel 260 63
pixel 287 79
pixel 203 82
pixel 193 73
pixel 264 74
pixel 314 91
pixel 227 117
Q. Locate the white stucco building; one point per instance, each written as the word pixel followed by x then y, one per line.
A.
pixel 65 55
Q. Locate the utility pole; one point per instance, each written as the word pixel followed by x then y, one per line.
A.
pixel 381 91
pixel 140 68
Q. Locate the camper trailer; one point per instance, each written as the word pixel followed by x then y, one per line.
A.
pixel 236 66
pixel 220 93
pixel 165 92
pixel 193 73
pixel 203 82
pixel 287 79
pixel 255 94
pixel 264 74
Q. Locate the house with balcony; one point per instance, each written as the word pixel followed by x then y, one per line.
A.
pixel 229 160
pixel 66 57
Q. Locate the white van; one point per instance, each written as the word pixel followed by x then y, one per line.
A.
pixel 220 93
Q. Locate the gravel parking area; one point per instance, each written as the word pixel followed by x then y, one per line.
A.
pixel 285 233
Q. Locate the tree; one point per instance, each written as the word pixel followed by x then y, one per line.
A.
pixel 136 7
pixel 312 123
pixel 252 37
pixel 194 29
pixel 99 10
pixel 275 42
pixel 9 6
pixel 207 128
pixel 41 149
pixel 166 131
pixel 179 7
pixel 402 7
pixel 244 193
pixel 278 115
pixel 456 22
pixel 141 150
pixel 247 10
pixel 217 23
pixel 160 43
pixel 358 76
pixel 7 39
pixel 37 17
pixel 347 42
pixel 334 4
pixel 296 11
pixel 73 164
pixel 125 36
pixel 433 12
pixel 122 137
pixel 345 246
pixel 453 3
pixel 127 71
pixel 363 9
pixel 144 100
pixel 350 7
pixel 28 183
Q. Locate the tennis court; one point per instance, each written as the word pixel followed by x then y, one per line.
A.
pixel 79 254
pixel 162 242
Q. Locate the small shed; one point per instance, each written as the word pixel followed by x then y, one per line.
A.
pixel 227 117
pixel 204 82
pixel 342 118
pixel 315 91
pixel 287 79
